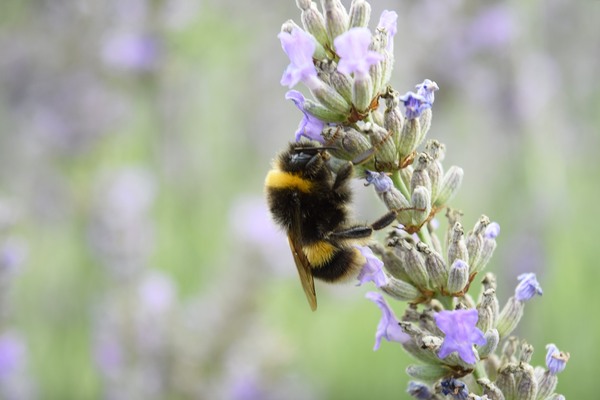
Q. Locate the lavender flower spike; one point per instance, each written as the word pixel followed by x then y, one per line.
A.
pixel 353 49
pixel 388 327
pixel 372 270
pixel 527 288
pixel 300 47
pixel 310 126
pixel 461 333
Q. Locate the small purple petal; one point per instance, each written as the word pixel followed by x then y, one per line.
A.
pixel 389 21
pixel 388 327
pixel 380 181
pixel 310 126
pixel 372 270
pixel 12 353
pixel 492 230
pixel 415 104
pixel 427 89
pixel 353 48
pixel 461 333
pixel 528 287
pixel 130 51
pixel 300 47
pixel 556 360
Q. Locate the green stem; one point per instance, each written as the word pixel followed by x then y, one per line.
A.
pixel 445 300
pixel 425 236
pixel 479 371
pixel 399 183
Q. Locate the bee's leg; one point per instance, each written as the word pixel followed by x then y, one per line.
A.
pixel 342 176
pixel 354 232
pixel 385 220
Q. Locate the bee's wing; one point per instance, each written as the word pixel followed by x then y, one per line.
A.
pixel 306 278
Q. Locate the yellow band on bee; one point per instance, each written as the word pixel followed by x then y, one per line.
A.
pixel 319 253
pixel 284 180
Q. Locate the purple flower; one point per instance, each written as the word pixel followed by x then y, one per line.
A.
pixel 12 353
pixel 455 388
pixel 461 333
pixel 419 390
pixel 528 287
pixel 300 47
pixel 492 230
pixel 556 360
pixel 388 21
pixel 353 48
pixel 372 270
pixel 380 181
pixel 310 126
pixel 388 327
pixel 130 51
pixel 427 89
pixel 415 104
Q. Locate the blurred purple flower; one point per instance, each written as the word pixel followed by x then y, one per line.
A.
pixel 492 28
pixel 461 333
pixel 130 51
pixel 12 254
pixel 415 104
pixel 300 47
pixel 556 360
pixel 372 270
pixel 310 126
pixel 12 354
pixel 427 89
pixel 388 21
pixel 388 327
pixel 156 292
pixel 528 287
pixel 353 48
pixel 492 230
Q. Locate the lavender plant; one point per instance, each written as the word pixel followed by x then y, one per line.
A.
pixel 462 342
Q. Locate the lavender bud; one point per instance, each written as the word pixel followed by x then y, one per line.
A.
pixel 492 339
pixel 362 92
pixel 328 97
pixel 526 353
pixel 449 186
pixel 360 13
pixel 427 373
pixel 435 265
pixel 458 277
pixel 400 290
pixel 323 113
pixel 509 317
pixel 435 168
pixel 547 382
pixel 425 122
pixel 413 264
pixel 408 137
pixel 527 386
pixel 507 381
pixel 457 248
pixel 343 84
pixel 475 239
pixel 313 21
pixel 392 262
pixel 490 389
pixel 348 142
pixel 336 18
pixel 422 205
pixel 527 288
pixel 487 250
pixel 392 117
pixel 385 157
pixel 392 197
pixel 488 310
pixel 420 177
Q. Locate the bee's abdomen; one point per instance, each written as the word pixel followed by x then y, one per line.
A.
pixel 344 264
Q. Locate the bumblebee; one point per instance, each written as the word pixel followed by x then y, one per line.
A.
pixel 310 202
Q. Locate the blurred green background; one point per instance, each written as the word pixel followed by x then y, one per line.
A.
pixel 137 259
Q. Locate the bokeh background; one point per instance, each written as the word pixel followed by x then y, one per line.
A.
pixel 137 260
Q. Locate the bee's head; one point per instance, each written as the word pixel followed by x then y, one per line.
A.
pixel 304 158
